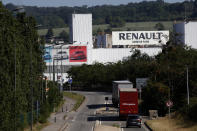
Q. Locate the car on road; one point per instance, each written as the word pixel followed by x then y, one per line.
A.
pixel 61 55
pixel 134 120
pixel 78 55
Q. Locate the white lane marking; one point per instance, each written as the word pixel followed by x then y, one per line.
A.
pixel 73 119
pixel 145 128
pixel 97 122
pixel 121 129
pixel 100 121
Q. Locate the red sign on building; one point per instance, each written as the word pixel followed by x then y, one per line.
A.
pixel 78 54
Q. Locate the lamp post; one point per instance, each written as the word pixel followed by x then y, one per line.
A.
pixel 187 86
pixel 61 87
pixel 31 87
pixel 16 10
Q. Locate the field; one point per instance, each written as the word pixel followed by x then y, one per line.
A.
pixel 142 26
pixel 173 124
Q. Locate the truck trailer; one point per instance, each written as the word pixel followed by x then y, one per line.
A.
pixel 115 90
pixel 128 101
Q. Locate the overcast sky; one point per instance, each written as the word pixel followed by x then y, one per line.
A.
pixel 56 3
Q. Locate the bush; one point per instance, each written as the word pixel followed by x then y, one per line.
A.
pixel 44 112
pixel 192 111
pixel 154 97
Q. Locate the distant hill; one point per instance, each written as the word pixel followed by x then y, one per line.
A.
pixel 128 26
pixel 107 14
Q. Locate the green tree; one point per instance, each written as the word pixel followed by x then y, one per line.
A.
pixel 155 96
pixel 159 26
pixel 64 35
pixel 117 22
pixel 20 51
pixel 49 33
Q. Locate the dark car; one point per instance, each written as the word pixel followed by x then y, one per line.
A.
pixel 134 120
pixel 78 55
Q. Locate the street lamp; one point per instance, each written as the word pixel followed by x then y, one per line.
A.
pixel 31 87
pixel 31 82
pixel 187 86
pixel 16 10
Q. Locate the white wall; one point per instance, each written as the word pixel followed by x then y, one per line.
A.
pixel 115 54
pixel 82 29
pixel 187 32
pixel 191 34
pixel 102 55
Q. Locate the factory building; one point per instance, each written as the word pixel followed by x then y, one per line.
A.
pixel 186 33
pixel 109 47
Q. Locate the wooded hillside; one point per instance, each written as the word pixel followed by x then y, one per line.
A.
pixel 110 14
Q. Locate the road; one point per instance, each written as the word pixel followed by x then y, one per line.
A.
pixel 85 118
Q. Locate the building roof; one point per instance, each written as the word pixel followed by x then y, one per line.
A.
pixel 125 89
pixel 122 82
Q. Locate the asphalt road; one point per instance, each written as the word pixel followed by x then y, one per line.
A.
pixel 85 118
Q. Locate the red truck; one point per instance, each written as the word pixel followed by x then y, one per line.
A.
pixel 128 101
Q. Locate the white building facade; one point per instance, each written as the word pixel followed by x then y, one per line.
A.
pixel 81 29
pixel 187 33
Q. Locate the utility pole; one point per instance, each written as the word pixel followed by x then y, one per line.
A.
pixel 16 10
pixel 31 87
pixel 169 91
pixel 61 88
pixel 53 70
pixel 187 86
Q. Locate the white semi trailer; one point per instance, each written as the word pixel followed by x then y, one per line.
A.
pixel 115 89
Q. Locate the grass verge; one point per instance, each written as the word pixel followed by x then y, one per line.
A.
pixel 38 126
pixel 77 97
pixel 116 125
pixel 60 105
pixel 176 123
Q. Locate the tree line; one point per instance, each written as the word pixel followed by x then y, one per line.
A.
pixel 22 86
pixel 110 14
pixel 166 72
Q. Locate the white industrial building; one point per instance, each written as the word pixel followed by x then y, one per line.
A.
pixel 59 58
pixel 187 33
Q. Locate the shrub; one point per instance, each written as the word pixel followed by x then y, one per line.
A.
pixel 192 111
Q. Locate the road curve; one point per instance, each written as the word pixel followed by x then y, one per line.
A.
pixel 84 119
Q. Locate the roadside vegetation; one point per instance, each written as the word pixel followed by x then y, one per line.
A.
pixel 77 97
pixel 38 127
pixel 176 123
pixel 25 90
